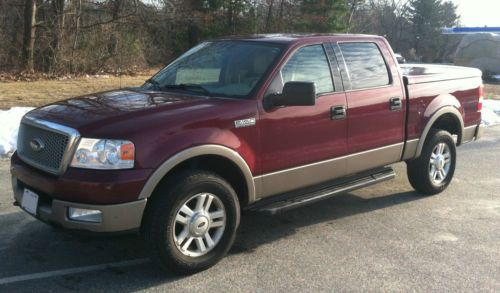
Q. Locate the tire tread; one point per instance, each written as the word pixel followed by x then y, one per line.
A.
pixel 417 168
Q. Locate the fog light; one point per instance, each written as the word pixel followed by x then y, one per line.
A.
pixel 84 215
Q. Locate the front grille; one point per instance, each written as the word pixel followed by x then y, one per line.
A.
pixel 53 146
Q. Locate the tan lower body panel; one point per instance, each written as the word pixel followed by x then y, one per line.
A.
pixel 312 174
pixel 374 158
pixel 295 178
pixel 469 133
pixel 410 149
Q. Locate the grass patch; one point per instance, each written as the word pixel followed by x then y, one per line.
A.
pixel 42 92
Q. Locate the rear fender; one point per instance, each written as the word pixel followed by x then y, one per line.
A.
pixel 441 105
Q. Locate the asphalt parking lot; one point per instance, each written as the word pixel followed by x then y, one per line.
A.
pixel 381 238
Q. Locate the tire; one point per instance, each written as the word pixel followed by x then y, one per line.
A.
pixel 166 222
pixel 419 170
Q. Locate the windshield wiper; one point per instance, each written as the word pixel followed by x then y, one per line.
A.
pixel 188 87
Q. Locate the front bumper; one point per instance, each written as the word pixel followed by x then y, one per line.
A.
pixel 115 193
pixel 115 217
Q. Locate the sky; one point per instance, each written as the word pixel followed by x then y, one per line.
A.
pixel 479 12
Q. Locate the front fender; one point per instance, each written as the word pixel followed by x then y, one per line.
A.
pixel 196 151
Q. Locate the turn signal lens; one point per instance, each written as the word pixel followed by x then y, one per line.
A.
pixel 127 152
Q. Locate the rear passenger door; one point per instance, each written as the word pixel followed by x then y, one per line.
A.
pixel 375 105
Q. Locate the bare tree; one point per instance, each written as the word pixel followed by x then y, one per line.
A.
pixel 76 36
pixel 29 34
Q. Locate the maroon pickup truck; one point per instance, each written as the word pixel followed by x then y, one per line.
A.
pixel 261 124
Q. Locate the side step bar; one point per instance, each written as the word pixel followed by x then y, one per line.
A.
pixel 287 202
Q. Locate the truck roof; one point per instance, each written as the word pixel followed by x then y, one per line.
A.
pixel 295 38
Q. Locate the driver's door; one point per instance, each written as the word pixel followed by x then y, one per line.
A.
pixel 300 144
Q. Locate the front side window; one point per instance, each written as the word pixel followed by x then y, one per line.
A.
pixel 223 68
pixel 365 64
pixel 307 64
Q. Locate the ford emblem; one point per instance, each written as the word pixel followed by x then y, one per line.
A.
pixel 37 145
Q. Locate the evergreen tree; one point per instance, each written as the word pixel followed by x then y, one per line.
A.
pixel 323 16
pixel 428 17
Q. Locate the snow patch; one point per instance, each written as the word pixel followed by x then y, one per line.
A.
pixel 9 126
pixel 491 112
pixel 97 76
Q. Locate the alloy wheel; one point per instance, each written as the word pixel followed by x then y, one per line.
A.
pixel 199 224
pixel 440 162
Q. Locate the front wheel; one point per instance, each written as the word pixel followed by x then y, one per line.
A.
pixel 433 171
pixel 191 222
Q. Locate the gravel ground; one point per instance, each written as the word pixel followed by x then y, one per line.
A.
pixel 381 238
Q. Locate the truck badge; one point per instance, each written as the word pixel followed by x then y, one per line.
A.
pixel 244 122
pixel 37 145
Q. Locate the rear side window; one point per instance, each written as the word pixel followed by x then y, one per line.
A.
pixel 365 64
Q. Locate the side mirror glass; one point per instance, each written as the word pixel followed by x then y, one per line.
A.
pixel 295 93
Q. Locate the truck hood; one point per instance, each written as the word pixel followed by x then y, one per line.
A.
pixel 90 111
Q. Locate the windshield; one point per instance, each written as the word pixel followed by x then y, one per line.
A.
pixel 224 68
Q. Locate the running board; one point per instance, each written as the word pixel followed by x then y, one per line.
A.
pixel 285 202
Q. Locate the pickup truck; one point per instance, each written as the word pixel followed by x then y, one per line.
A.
pixel 259 124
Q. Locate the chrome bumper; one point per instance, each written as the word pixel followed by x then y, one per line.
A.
pixel 115 217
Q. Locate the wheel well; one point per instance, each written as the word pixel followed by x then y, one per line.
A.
pixel 219 165
pixel 449 123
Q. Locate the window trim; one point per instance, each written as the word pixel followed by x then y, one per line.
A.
pixel 335 67
pixel 345 70
pixel 292 53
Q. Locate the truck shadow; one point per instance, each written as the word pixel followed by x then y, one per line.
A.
pixel 28 246
pixel 256 230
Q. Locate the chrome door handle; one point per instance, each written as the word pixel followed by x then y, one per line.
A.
pixel 338 112
pixel 395 103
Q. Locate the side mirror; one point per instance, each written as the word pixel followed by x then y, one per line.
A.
pixel 295 93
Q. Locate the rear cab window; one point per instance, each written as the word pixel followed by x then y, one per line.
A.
pixel 365 65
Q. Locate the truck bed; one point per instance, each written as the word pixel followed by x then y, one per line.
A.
pixel 423 73
pixel 424 82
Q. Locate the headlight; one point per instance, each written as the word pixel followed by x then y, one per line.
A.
pixel 104 154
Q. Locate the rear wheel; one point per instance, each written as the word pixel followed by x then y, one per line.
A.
pixel 191 221
pixel 433 171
